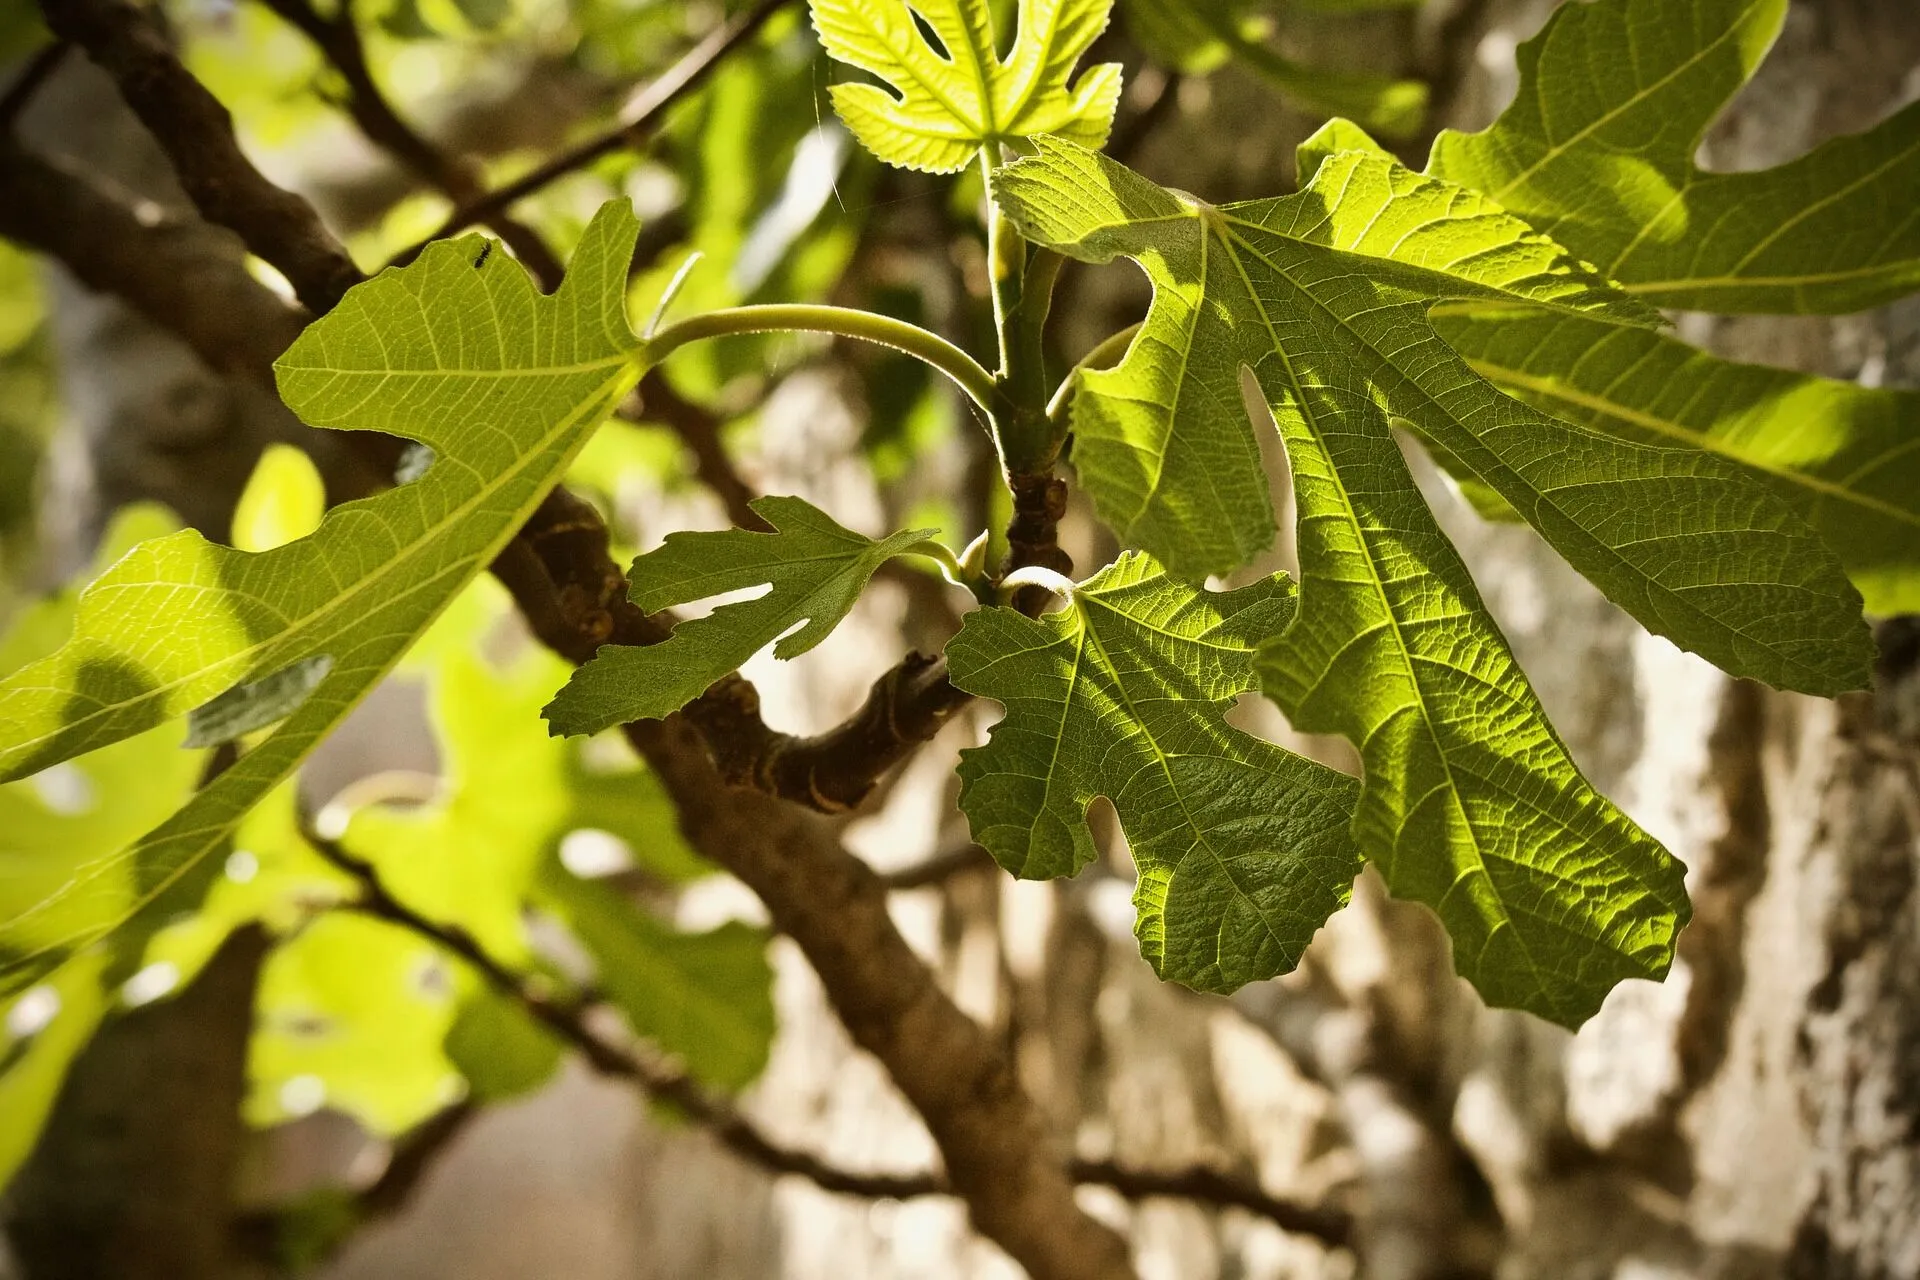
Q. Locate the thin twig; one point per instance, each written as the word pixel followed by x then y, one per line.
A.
pixel 28 82
pixel 638 119
pixel 338 41
pixel 1207 1185
pixel 567 1018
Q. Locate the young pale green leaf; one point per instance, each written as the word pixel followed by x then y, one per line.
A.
pixel 1195 37
pixel 457 350
pixel 51 826
pixel 816 570
pixel 949 103
pixel 1243 849
pixel 1842 455
pixel 1598 151
pixel 1328 293
pixel 490 843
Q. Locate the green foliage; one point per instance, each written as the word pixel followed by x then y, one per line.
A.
pixel 487 848
pixel 761 169
pixel 1242 848
pixel 42 1030
pixel 706 997
pixel 51 827
pixel 1841 454
pixel 1471 804
pixel 499 1048
pixel 458 351
pixel 1598 151
pixel 1196 37
pixel 1461 305
pixel 816 570
pixel 1324 297
pixel 352 1015
pixel 948 104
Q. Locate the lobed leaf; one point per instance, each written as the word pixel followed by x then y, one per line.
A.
pixel 1471 803
pixel 457 350
pixel 1328 292
pixel 950 102
pixel 1598 151
pixel 1242 847
pixel 816 570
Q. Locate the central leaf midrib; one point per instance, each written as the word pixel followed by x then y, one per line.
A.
pixel 1393 371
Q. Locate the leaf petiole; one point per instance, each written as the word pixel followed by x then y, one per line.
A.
pixel 1034 575
pixel 842 322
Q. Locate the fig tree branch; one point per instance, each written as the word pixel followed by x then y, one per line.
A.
pixel 641 115
pixel 338 40
pixel 196 132
pixel 998 1154
pixel 568 1019
pixel 27 81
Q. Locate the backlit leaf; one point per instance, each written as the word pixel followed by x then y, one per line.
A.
pixel 1598 151
pixel 1844 456
pixel 1471 803
pixel 1324 296
pixel 950 102
pixel 458 350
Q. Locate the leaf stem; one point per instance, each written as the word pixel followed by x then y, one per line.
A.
pixel 1022 296
pixel 842 322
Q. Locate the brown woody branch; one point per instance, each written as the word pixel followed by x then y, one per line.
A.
pixel 568 1020
pixel 833 771
pixel 167 268
pixel 998 1154
pixel 196 132
pixel 938 869
pixel 27 82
